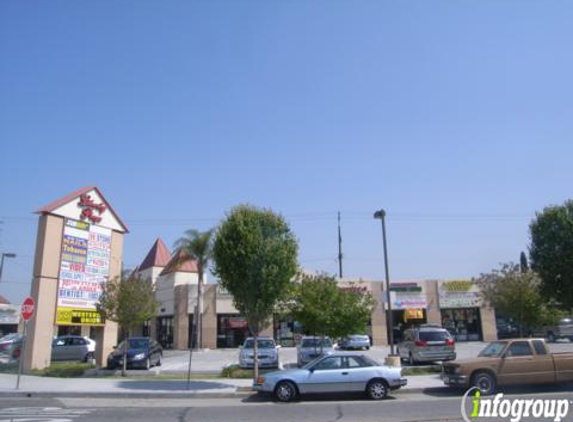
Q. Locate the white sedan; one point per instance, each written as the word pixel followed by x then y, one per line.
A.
pixel 336 373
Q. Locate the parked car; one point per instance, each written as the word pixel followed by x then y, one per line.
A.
pixel 509 362
pixel 311 348
pixel 427 343
pixel 355 341
pixel 142 352
pixel 11 347
pixel 73 348
pixel 340 372
pixel 268 353
pixel 563 329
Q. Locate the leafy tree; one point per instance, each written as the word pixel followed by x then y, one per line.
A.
pixel 324 308
pixel 199 246
pixel 129 302
pixel 551 252
pixel 523 265
pixel 517 295
pixel 255 256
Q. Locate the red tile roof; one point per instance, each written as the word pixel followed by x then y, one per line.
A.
pixel 72 196
pixel 181 262
pixel 158 256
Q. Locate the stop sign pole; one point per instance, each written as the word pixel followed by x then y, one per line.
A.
pixel 27 309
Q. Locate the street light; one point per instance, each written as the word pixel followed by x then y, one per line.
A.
pixel 381 214
pixel 7 255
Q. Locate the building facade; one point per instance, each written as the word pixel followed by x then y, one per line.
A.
pixel 454 304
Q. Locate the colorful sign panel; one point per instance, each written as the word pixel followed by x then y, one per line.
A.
pixel 84 266
pixel 408 295
pixel 459 294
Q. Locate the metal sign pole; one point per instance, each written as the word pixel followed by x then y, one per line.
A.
pixel 21 363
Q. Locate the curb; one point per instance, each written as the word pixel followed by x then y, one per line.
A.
pixel 240 392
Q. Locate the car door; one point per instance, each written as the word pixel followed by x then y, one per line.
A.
pixel 360 372
pixel 520 366
pixel 327 376
pixel 60 348
pixel 77 348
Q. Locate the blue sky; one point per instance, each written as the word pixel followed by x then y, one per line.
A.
pixel 454 116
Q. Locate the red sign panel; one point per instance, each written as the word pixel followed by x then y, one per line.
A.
pixel 27 308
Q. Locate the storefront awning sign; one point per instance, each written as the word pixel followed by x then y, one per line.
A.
pixel 413 313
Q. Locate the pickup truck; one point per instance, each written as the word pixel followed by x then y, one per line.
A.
pixel 509 362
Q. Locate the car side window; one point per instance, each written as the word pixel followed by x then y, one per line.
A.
pixel 519 348
pixel 355 362
pixel 60 342
pixel 539 347
pixel 334 362
pixel 78 342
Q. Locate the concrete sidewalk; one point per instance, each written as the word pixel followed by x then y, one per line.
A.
pixel 130 387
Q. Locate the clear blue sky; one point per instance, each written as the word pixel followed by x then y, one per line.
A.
pixel 454 116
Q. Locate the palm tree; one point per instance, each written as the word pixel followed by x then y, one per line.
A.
pixel 199 246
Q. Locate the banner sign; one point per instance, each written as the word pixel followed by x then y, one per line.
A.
pixel 459 294
pixel 86 252
pixel 408 295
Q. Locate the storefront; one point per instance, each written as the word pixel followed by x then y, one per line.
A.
pixel 460 303
pixel 409 305
pixel 164 330
pixel 232 330
pixel 9 318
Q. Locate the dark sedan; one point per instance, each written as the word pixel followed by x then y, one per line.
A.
pixel 142 352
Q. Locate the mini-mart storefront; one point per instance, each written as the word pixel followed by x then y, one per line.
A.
pixel 460 309
pixel 409 304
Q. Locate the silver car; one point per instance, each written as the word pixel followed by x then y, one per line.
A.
pixel 311 348
pixel 73 348
pixel 267 350
pixel 355 341
pixel 11 347
pixel 427 344
pixel 340 372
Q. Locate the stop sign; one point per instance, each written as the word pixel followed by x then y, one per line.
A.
pixel 27 308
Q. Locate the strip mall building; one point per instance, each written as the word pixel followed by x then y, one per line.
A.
pixel 455 305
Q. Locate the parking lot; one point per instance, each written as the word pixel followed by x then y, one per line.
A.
pixel 212 361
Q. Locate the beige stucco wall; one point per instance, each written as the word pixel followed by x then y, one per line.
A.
pixel 488 326
pixel 181 317
pixel 433 314
pixel 40 329
pixel 210 317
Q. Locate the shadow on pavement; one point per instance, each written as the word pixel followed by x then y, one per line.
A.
pixel 309 398
pixel 173 385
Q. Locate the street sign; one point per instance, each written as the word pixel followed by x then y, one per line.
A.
pixel 27 308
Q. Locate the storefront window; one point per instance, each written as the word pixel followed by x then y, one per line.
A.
pixel 232 329
pixel 464 324
pixel 165 331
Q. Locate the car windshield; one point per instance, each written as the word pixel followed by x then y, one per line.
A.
pixel 493 349
pixel 262 344
pixel 434 335
pixel 137 343
pixel 315 342
pixel 357 337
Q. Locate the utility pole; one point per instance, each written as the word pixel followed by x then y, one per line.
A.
pixel 339 248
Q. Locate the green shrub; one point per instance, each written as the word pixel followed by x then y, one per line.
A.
pixel 64 370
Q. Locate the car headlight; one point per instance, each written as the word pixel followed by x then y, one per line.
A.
pixel 139 356
pixel 260 380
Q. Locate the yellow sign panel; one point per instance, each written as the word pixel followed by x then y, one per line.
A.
pixel 413 313
pixel 73 316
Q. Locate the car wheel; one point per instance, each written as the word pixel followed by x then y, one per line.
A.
pixel 377 389
pixel 158 363
pixel 367 347
pixel 285 391
pixel 89 357
pixel 147 363
pixel 485 382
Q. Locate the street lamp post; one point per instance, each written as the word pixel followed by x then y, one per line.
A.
pixel 7 255
pixel 381 214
